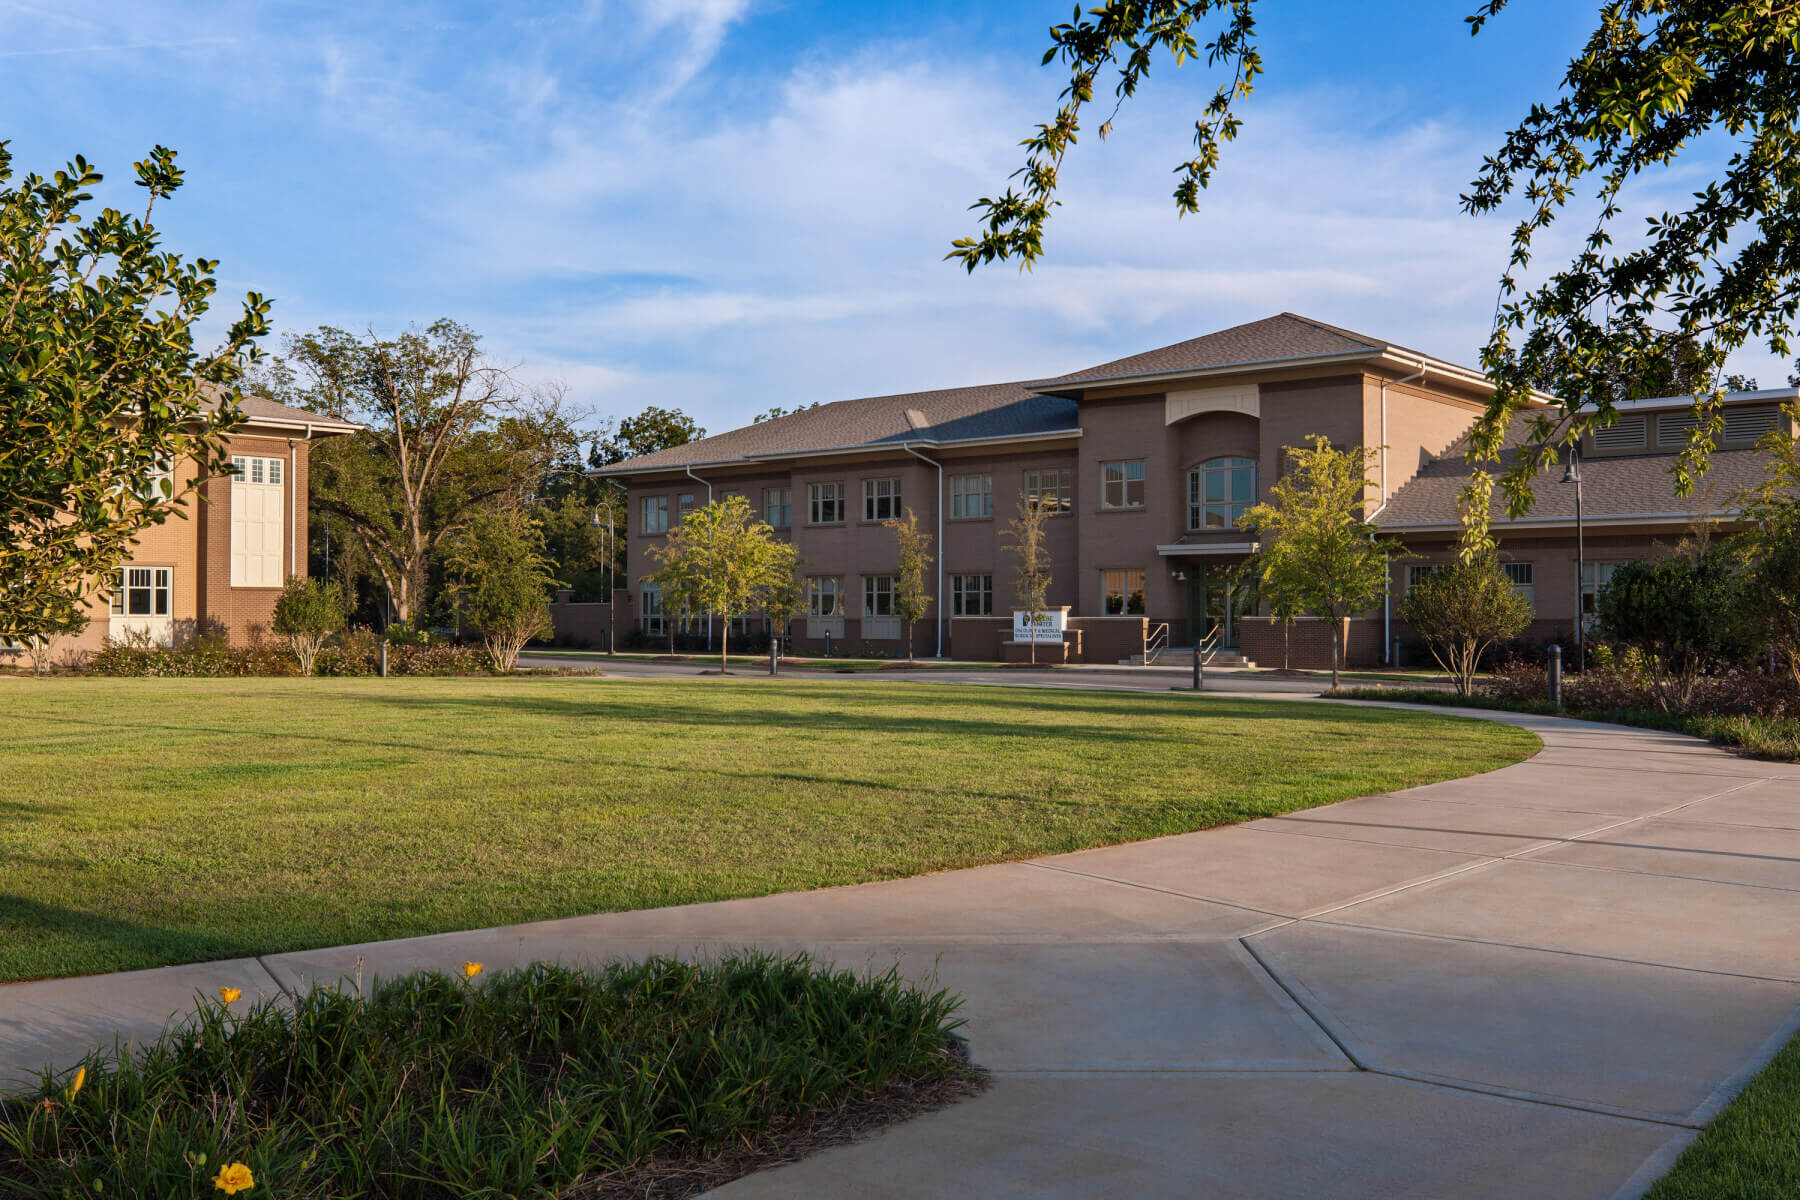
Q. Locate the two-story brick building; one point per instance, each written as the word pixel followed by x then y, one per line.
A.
pixel 1148 462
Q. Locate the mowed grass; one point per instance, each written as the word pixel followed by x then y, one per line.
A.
pixel 147 822
pixel 1751 1151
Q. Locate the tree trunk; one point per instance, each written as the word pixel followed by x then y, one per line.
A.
pixel 1337 652
pixel 909 643
pixel 1285 627
pixel 724 645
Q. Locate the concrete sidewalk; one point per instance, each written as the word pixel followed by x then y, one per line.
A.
pixel 1537 982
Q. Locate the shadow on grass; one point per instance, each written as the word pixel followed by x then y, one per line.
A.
pixel 105 943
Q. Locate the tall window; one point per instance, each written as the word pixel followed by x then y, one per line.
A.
pixel 1122 484
pixel 1122 593
pixel 685 506
pixel 257 528
pixel 1418 571
pixel 1520 576
pixel 878 595
pixel 142 591
pixel 1594 577
pixel 652 605
pixel 971 495
pixel 825 502
pixel 825 596
pixel 881 499
pixel 971 595
pixel 1049 488
pixel 655 514
pixel 778 507
pixel 1219 491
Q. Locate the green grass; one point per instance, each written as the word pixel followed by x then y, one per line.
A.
pixel 1751 1151
pixel 788 663
pixel 145 822
pixel 545 1082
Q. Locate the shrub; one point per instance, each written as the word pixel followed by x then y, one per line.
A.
pixel 1461 609
pixel 1685 613
pixel 206 655
pixel 306 613
pixel 547 1082
pixel 503 581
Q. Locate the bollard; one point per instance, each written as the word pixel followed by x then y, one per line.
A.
pixel 828 643
pixel 1199 668
pixel 774 655
pixel 384 646
pixel 1556 675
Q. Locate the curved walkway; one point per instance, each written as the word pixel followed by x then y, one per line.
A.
pixel 1536 982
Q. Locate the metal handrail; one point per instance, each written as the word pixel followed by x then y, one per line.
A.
pixel 1155 641
pixel 1209 645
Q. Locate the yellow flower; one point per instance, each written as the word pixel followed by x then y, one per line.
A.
pixel 75 1085
pixel 234 1179
pixel 471 970
pixel 230 995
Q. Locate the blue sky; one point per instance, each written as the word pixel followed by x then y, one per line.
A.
pixel 727 204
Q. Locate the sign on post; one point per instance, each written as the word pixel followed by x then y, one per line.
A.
pixel 1049 627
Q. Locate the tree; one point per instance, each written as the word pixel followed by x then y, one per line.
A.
pixel 778 411
pixel 306 613
pixel 722 560
pixel 102 392
pixel 1655 77
pixel 1031 563
pixel 447 434
pixel 63 623
pixel 503 579
pixel 912 599
pixel 1685 612
pixel 784 601
pixel 1461 609
pixel 651 430
pixel 1769 550
pixel 1284 592
pixel 1316 545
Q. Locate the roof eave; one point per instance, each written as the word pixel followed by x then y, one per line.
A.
pixel 1388 354
pixel 1669 518
pixel 766 456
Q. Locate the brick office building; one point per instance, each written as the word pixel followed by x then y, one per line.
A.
pixel 1148 461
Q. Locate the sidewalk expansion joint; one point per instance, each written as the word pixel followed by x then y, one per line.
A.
pixel 1301 1004
pixel 275 979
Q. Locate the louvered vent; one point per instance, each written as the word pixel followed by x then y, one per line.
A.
pixel 1748 424
pixel 1672 429
pixel 1626 434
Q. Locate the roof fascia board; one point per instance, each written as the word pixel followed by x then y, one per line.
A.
pixel 1566 522
pixel 1659 402
pixel 1062 387
pixel 859 448
pixel 323 425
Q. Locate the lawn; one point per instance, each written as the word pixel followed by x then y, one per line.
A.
pixel 1752 1150
pixel 147 822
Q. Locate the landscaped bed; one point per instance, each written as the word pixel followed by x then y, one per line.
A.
pixel 654 1079
pixel 149 822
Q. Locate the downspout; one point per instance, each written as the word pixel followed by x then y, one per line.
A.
pixel 294 563
pixel 906 446
pixel 709 500
pixel 1387 583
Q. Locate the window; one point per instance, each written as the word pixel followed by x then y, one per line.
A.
pixel 778 507
pixel 1122 484
pixel 655 515
pixel 1417 572
pixel 1219 491
pixel 1048 488
pixel 1594 577
pixel 971 595
pixel 825 503
pixel 161 475
pixel 878 595
pixel 1520 576
pixel 971 495
pixel 881 499
pixel 684 506
pixel 257 529
pixel 825 596
pixel 652 606
pixel 142 591
pixel 1123 593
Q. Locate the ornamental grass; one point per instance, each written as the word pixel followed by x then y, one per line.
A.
pixel 652 1078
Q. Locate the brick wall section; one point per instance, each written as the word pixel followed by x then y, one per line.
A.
pixel 1309 642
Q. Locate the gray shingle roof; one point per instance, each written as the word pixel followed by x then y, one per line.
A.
pixel 1635 485
pixel 953 414
pixel 1285 335
pixel 261 408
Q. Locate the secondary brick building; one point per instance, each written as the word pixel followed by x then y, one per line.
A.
pixel 1148 462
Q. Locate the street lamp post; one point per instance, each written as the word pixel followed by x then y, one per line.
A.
pixel 1572 474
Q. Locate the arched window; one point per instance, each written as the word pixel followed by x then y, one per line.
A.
pixel 1219 491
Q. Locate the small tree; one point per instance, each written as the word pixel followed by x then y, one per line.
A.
pixel 722 560
pixel 306 613
pixel 1461 609
pixel 783 601
pixel 1685 613
pixel 1284 593
pixel 1031 563
pixel 911 599
pixel 59 621
pixel 1770 549
pixel 499 567
pixel 1316 541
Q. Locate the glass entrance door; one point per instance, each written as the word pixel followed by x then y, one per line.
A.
pixel 1215 601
